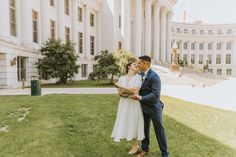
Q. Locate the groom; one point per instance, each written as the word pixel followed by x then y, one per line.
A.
pixel 149 96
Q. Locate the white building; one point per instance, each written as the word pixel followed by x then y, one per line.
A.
pixel 214 45
pixel 140 26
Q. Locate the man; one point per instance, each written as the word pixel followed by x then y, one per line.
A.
pixel 149 97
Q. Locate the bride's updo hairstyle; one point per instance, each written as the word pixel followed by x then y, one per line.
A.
pixel 128 65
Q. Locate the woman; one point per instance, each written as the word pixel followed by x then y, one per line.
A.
pixel 129 122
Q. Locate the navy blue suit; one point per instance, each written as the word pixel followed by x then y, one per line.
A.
pixel 152 110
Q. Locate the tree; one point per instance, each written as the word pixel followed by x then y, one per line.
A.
pixel 59 60
pixel 122 59
pixel 106 66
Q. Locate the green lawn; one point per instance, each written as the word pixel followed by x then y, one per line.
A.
pixel 81 84
pixel 80 126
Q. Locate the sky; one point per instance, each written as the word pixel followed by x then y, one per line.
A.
pixel 207 11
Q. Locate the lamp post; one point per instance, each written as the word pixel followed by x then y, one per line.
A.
pixel 174 65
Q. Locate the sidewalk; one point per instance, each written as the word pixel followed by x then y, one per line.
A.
pixel 46 91
pixel 221 95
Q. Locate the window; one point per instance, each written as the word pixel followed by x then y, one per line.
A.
pixel 119 45
pixel 185 57
pixel 80 42
pixel 178 45
pixel 201 31
pixel 178 30
pixel 185 31
pixel 218 46
pixel 210 70
pixel 91 20
pixel 228 59
pixel 12 17
pixel 219 32
pixel 219 71
pixel 192 58
pixel 52 29
pixel 200 61
pixel 228 46
pixel 218 59
pixel 35 26
pixel 192 46
pixel 229 31
pixel 185 46
pixel 67 34
pixel 172 29
pixel 201 46
pixel 80 14
pixel 210 32
pixel 51 2
pixel 209 58
pixel 209 46
pixel 119 21
pixel 67 9
pixel 84 70
pixel 228 72
pixel 193 31
pixel 92 45
pixel 21 68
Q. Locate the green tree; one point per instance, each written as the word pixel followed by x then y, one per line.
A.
pixel 59 60
pixel 122 59
pixel 106 66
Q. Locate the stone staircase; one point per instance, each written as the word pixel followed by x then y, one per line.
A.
pixel 190 79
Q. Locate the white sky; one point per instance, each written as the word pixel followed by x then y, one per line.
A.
pixel 207 11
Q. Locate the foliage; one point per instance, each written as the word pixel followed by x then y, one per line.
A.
pixel 122 59
pixel 183 63
pixel 59 60
pixel 106 66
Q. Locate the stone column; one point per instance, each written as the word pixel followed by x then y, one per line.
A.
pixel 156 32
pixel 74 22
pixel 148 26
pixel 4 20
pixel 45 21
pixel 126 24
pixel 60 20
pixel 168 36
pixel 138 28
pixel 98 28
pixel 87 31
pixel 163 35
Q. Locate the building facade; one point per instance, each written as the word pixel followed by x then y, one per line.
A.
pixel 140 26
pixel 212 45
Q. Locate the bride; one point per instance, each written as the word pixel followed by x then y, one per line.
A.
pixel 129 122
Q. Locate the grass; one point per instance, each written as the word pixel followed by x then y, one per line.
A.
pixel 81 125
pixel 81 84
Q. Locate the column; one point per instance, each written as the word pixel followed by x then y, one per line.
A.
pixel 87 31
pixel 4 12
pixel 98 38
pixel 168 35
pixel 233 67
pixel 163 35
pixel 74 22
pixel 156 32
pixel 180 49
pixel 126 24
pixel 138 28
pixel 45 21
pixel 148 27
pixel 60 20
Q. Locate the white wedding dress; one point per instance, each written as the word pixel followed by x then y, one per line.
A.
pixel 129 122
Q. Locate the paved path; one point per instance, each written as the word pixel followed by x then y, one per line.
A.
pixel 221 95
pixel 46 91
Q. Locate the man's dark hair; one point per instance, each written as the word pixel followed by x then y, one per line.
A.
pixel 145 58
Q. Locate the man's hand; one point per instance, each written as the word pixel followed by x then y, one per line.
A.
pixel 136 97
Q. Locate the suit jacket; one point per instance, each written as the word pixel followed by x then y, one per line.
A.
pixel 150 92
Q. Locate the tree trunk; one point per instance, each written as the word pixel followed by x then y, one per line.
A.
pixel 112 79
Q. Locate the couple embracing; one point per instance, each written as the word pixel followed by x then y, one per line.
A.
pixel 138 106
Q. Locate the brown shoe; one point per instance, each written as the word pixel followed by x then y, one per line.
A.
pixel 142 154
